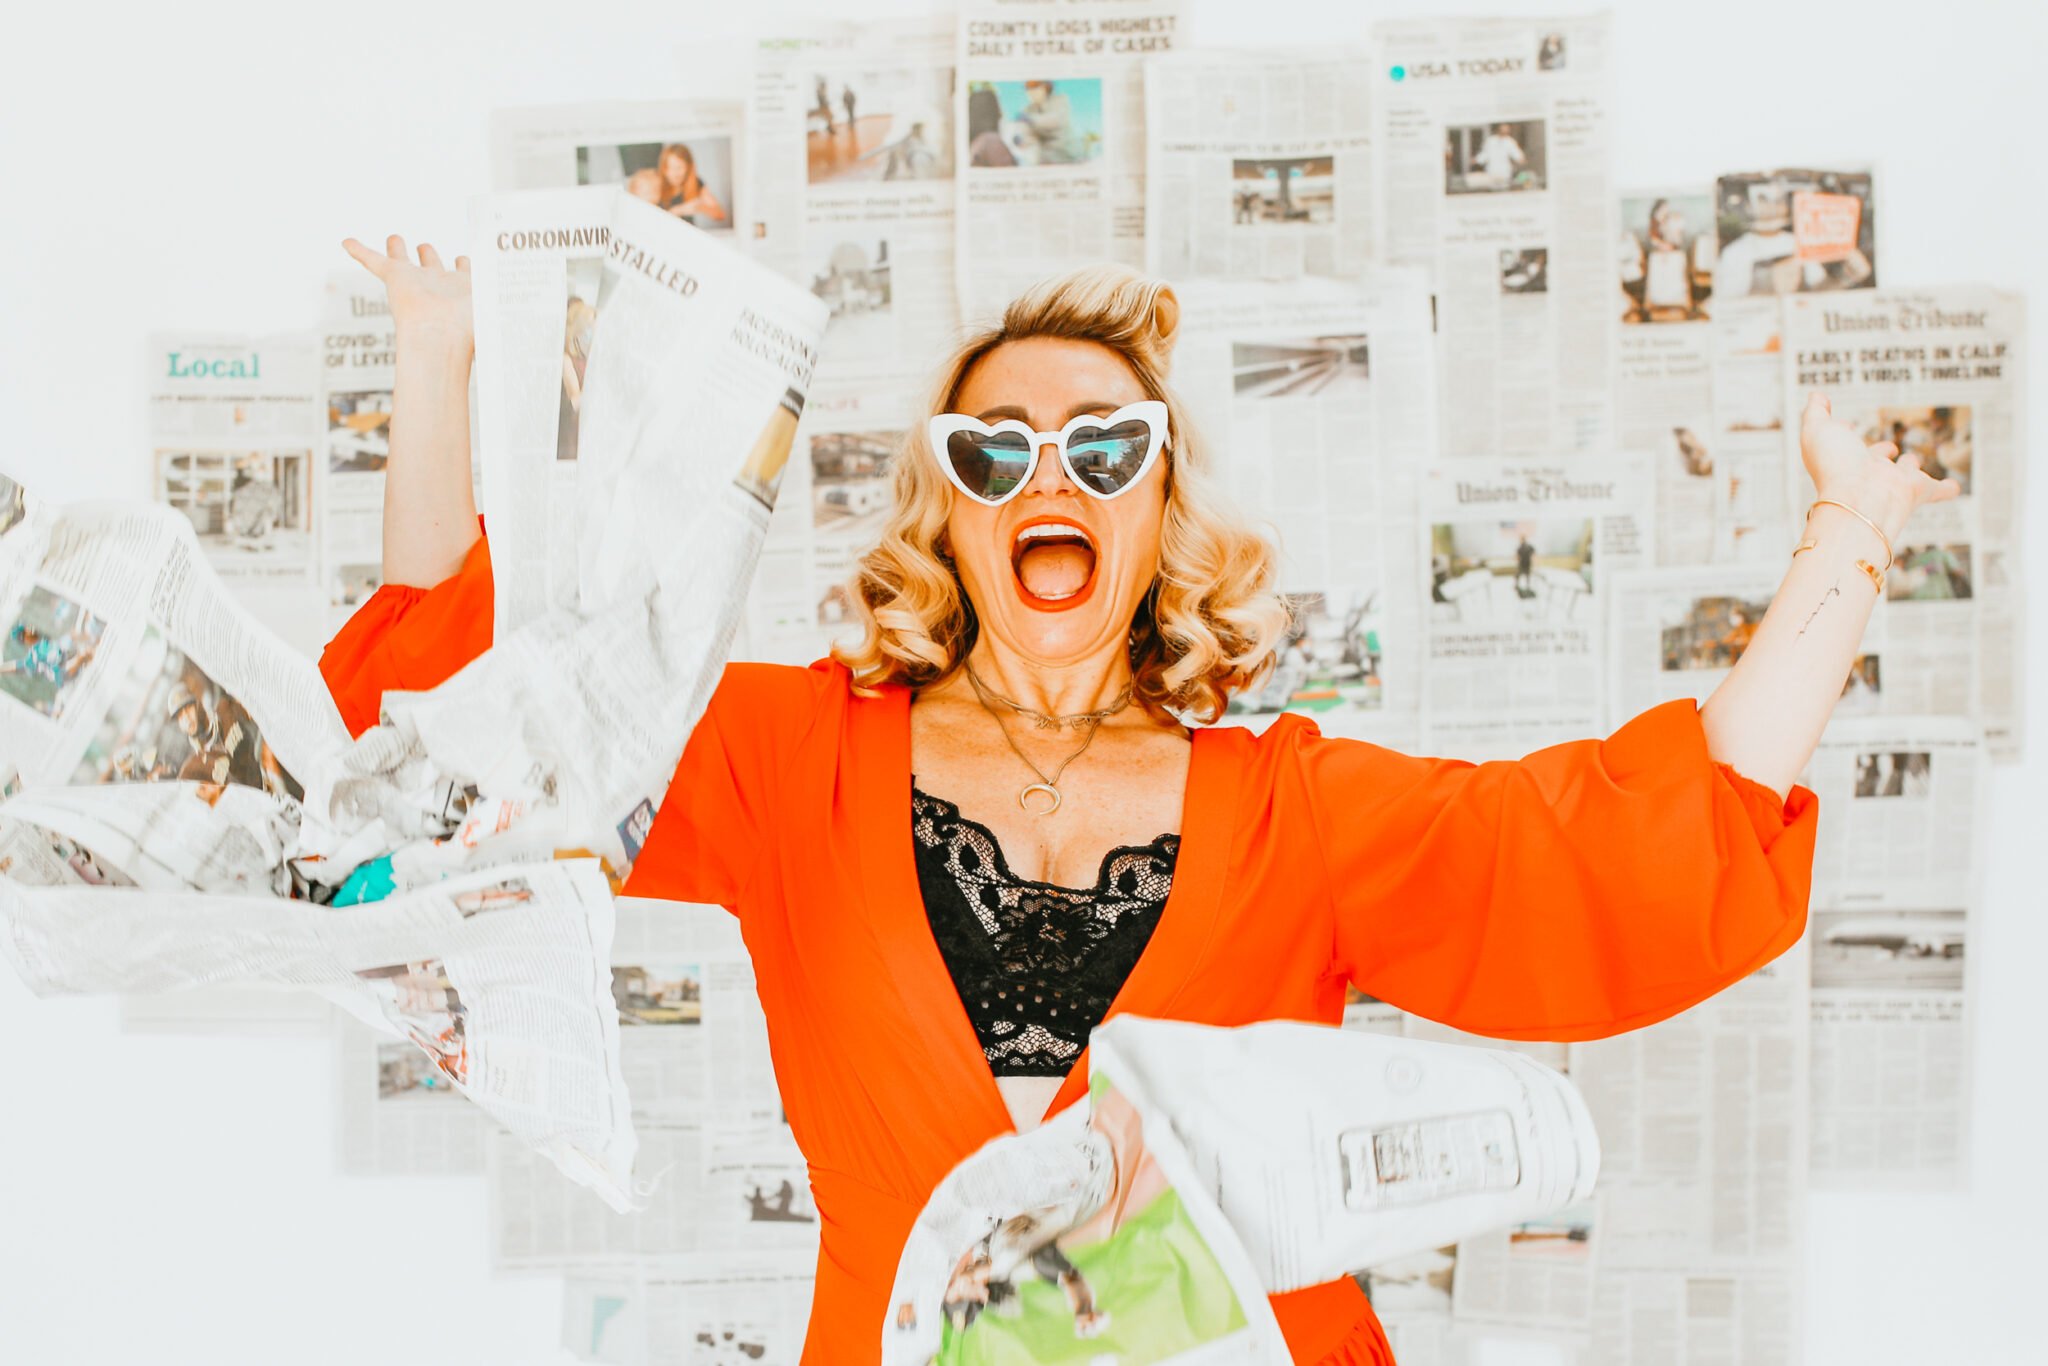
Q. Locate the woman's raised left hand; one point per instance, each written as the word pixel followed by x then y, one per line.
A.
pixel 1875 479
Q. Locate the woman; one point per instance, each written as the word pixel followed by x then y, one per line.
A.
pixel 683 191
pixel 955 847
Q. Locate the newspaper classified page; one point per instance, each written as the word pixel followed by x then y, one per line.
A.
pixel 1940 373
pixel 1495 173
pixel 1049 135
pixel 1316 403
pixel 358 350
pixel 1258 165
pixel 854 162
pixel 1517 558
pixel 538 264
pixel 1703 1129
pixel 234 430
pixel 1664 398
pixel 1781 232
pixel 1892 952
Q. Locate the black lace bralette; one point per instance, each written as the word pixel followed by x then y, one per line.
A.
pixel 1036 964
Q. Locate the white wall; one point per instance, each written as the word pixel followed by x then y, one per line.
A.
pixel 194 165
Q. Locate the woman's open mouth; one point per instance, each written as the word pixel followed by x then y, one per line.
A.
pixel 1053 562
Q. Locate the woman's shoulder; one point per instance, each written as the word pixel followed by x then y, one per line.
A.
pixel 778 694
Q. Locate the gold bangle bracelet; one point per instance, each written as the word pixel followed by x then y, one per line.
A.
pixel 1871 571
pixel 1884 540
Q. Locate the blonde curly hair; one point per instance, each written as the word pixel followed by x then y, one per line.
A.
pixel 1212 623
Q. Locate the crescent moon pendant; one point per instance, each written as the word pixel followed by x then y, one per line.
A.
pixel 1023 798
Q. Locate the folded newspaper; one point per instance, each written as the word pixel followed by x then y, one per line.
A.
pixel 1210 1167
pixel 184 807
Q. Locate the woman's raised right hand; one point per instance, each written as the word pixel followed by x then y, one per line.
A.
pixel 428 300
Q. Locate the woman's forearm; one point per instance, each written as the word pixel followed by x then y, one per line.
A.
pixel 1767 715
pixel 429 510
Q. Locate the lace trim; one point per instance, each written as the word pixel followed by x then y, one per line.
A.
pixel 1036 963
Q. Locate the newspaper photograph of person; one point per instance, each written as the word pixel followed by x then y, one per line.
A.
pixel 170 721
pixel 1794 232
pixel 692 180
pixel 1666 258
pixel 879 125
pixel 1035 122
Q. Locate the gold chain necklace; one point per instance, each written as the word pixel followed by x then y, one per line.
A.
pixel 1046 784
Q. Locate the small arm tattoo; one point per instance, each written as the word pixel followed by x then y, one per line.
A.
pixel 1834 592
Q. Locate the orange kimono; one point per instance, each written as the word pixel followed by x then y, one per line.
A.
pixel 1589 888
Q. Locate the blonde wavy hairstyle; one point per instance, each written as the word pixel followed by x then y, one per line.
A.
pixel 1211 624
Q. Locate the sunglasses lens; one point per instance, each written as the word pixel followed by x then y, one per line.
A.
pixel 1105 459
pixel 990 464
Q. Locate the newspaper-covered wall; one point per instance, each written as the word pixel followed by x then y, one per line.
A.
pixel 1316 403
pixel 235 433
pixel 831 509
pixel 1902 824
pixel 1495 172
pixel 1940 373
pixel 1664 390
pixel 358 350
pixel 1258 165
pixel 1049 136
pixel 1781 232
pixel 539 259
pixel 1517 558
pixel 747 1309
pixel 1702 1194
pixel 854 163
pixel 395 1112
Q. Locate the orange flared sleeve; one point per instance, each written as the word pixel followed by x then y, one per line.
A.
pixel 1589 888
pixel 721 811
pixel 406 639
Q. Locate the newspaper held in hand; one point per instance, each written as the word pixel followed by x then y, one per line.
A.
pixel 1211 1167
pixel 279 853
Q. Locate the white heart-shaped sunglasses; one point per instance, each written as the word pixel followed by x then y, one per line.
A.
pixel 1104 456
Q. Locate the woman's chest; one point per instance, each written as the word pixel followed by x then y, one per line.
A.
pixel 1121 787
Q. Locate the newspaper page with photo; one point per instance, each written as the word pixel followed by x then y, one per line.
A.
pixel 1258 165
pixel 692 1038
pixel 1518 557
pixel 1940 373
pixel 1049 136
pixel 705 1188
pixel 358 351
pixel 396 1112
pixel 1316 402
pixel 500 977
pixel 1892 1000
pixel 1781 232
pixel 234 431
pixel 853 169
pixel 833 507
pixel 539 258
pixel 1664 395
pixel 126 661
pixel 699 351
pixel 685 157
pixel 1703 1127
pixel 721 1170
pixel 747 1310
pixel 1495 172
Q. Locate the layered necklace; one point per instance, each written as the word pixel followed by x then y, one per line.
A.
pixel 1048 784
